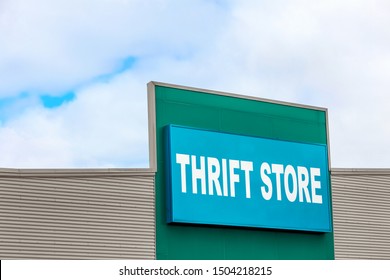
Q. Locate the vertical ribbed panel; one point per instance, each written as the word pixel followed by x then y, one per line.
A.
pixel 361 212
pixel 92 216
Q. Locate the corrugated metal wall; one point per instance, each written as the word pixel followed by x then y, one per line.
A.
pixel 109 214
pixel 77 214
pixel 361 213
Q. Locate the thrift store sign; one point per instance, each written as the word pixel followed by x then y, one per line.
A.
pixel 227 179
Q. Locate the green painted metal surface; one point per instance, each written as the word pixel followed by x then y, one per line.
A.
pixel 240 116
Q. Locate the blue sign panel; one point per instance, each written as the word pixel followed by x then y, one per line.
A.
pixel 227 179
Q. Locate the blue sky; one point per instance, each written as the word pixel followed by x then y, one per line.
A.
pixel 73 74
pixel 49 101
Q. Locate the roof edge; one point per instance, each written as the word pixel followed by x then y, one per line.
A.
pixel 360 171
pixel 74 172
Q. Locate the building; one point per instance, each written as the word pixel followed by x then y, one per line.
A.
pixel 122 213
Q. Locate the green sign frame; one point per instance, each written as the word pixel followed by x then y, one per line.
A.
pixel 231 113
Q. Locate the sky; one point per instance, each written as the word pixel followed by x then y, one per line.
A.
pixel 73 74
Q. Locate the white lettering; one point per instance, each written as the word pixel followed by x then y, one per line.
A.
pixel 247 166
pixel 264 170
pixel 303 183
pixel 316 198
pixel 224 178
pixel 183 160
pixel 221 177
pixel 213 170
pixel 234 178
pixel 198 174
pixel 278 170
pixel 290 172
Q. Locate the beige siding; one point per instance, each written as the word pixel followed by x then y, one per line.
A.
pixel 361 212
pixel 104 214
pixel 76 214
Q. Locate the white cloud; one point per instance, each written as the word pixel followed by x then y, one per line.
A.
pixel 331 54
pixel 52 45
pixel 33 140
pixel 106 126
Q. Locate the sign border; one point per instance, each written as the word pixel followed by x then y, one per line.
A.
pixel 169 183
